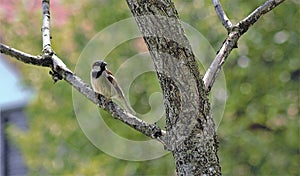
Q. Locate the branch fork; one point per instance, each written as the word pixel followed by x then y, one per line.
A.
pixel 234 33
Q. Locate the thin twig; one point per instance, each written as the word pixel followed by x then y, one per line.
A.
pixel 222 15
pixel 231 41
pixel 46 26
pixel 256 14
pixel 24 57
pixel 150 130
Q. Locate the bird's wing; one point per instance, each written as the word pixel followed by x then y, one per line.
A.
pixel 119 91
pixel 116 86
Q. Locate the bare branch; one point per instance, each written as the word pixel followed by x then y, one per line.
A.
pixel 46 26
pixel 222 16
pixel 213 70
pixel 231 41
pixel 24 57
pixel 55 63
pixel 256 14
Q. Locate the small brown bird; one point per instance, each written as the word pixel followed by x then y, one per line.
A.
pixel 103 82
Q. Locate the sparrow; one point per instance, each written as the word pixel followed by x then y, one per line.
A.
pixel 103 82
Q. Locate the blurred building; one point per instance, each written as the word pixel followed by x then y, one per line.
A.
pixel 13 100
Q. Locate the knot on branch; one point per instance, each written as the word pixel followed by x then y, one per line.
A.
pixel 55 76
pixel 48 52
pixel 156 131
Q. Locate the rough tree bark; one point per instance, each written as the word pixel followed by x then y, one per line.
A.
pixel 191 135
pixel 190 131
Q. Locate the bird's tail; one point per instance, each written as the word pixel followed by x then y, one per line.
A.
pixel 128 107
pixel 123 99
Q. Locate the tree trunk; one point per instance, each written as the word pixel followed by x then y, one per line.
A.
pixel 190 129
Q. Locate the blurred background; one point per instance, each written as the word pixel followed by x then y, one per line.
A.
pixel 259 132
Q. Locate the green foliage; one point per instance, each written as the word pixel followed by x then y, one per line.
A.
pixel 258 133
